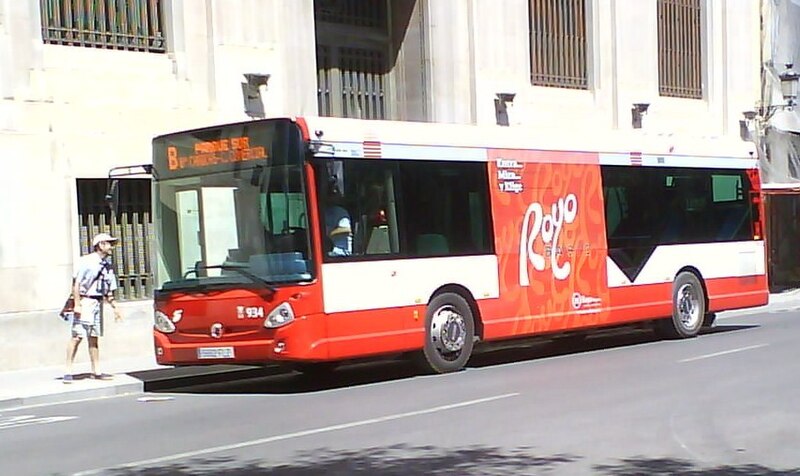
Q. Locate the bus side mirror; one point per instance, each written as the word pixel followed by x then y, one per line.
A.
pixel 112 196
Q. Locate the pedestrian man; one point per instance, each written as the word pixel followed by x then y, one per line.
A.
pixel 92 283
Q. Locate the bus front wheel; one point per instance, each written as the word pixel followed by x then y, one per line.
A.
pixel 449 334
pixel 688 308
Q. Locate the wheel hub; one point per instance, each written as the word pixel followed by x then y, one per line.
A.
pixel 688 306
pixel 448 330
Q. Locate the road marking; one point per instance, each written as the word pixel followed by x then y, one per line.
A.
pixel 28 420
pixel 724 352
pixel 155 399
pixel 68 402
pixel 678 439
pixel 297 434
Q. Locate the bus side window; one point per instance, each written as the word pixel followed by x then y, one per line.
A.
pixel 732 210
pixel 372 203
pixel 615 208
pixel 365 190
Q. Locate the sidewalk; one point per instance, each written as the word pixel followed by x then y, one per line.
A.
pixel 43 385
pixel 778 302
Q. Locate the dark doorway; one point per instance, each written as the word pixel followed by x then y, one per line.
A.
pixel 783 239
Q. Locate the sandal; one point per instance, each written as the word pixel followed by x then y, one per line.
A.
pixel 67 378
pixel 102 376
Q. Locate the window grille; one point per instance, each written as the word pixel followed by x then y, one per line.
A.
pixel 369 13
pixel 679 49
pixel 359 75
pixel 352 58
pixel 558 43
pixel 133 225
pixel 134 25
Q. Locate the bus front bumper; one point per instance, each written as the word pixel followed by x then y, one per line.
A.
pixel 259 351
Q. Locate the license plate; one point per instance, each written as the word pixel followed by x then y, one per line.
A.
pixel 215 353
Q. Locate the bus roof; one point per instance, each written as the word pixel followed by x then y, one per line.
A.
pixel 522 137
pixel 410 133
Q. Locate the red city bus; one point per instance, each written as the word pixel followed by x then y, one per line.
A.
pixel 309 241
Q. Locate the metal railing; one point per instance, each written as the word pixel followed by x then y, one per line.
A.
pixel 679 49
pixel 352 58
pixel 351 82
pixel 132 257
pixel 558 43
pixel 134 25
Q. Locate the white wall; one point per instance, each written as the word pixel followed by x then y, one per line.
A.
pixel 72 112
pixel 623 68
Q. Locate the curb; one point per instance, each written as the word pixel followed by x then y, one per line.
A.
pixel 775 308
pixel 126 385
pixel 134 382
pixel 162 380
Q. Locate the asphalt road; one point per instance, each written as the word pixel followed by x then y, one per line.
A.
pixel 727 402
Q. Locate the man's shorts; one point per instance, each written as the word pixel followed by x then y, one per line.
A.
pixel 88 324
pixel 81 330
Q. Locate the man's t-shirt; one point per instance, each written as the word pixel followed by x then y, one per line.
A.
pixel 88 268
pixel 86 272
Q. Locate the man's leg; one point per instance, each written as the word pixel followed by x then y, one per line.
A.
pixel 94 332
pixel 72 349
pixel 94 354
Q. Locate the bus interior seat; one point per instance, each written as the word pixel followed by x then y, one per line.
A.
pixel 294 240
pixel 378 240
pixel 432 244
pixel 236 255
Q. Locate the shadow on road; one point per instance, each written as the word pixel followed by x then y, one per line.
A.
pixel 669 466
pixel 429 460
pixel 277 380
pixel 523 350
pixel 720 328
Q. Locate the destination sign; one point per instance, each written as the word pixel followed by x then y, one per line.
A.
pixel 216 152
pixel 210 150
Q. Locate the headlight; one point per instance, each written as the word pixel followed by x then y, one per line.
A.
pixel 280 316
pixel 163 323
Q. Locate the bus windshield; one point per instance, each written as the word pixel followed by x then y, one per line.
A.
pixel 240 224
pixel 221 228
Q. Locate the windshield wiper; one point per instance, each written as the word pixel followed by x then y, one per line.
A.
pixel 241 270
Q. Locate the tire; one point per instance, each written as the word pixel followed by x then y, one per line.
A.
pixel 688 308
pixel 449 334
pixel 709 320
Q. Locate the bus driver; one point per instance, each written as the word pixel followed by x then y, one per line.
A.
pixel 337 223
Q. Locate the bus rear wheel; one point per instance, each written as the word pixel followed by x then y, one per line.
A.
pixel 688 308
pixel 449 334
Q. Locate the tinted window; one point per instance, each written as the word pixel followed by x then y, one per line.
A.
pixel 445 208
pixel 651 206
pixel 403 208
pixel 358 208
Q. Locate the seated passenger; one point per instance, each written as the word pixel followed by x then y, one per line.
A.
pixel 337 225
